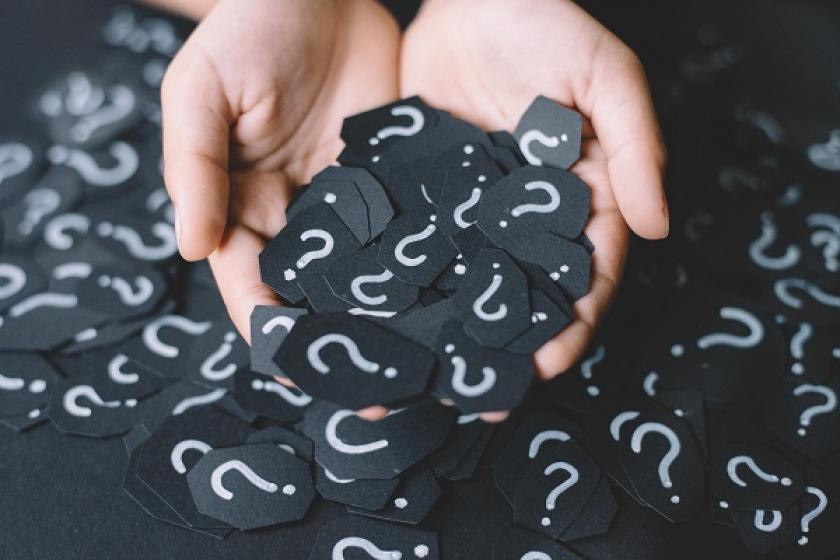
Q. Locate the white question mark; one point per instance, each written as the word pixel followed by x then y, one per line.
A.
pixel 208 366
pixel 117 375
pixel 248 473
pixel 829 238
pixel 128 295
pixel 797 342
pixel 808 415
pixel 314 357
pixel 75 409
pixel 417 118
pixel 15 158
pixel 55 232
pixel 574 475
pixel 755 336
pixel 331 434
pixel 127 163
pixel 279 389
pixel 36 386
pixel 177 455
pixel 81 97
pixel 535 555
pixel 134 243
pixel 822 503
pixel 359 281
pixel 464 207
pixel 39 203
pixel 673 452
pixel 310 256
pixel 279 321
pixel 775 520
pixel 399 249
pixel 550 206
pixel 827 156
pixel 738 460
pixel 371 549
pixel 15 278
pixel 535 135
pixel 588 364
pixel 765 240
pixel 151 333
pixel 783 287
pixel 198 400
pixel 123 102
pixel 478 305
pixel 459 374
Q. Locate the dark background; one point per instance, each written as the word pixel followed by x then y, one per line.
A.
pixel 60 496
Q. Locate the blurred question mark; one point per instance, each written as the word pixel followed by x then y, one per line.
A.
pixel 55 232
pixel 15 278
pixel 782 289
pixel 808 414
pixel 39 203
pixel 145 289
pixel 134 242
pixel 151 333
pixel 753 338
pixel 765 240
pixel 127 163
pixel 828 237
pixel 15 158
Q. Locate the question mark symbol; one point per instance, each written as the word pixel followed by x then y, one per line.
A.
pixel 279 389
pixel 755 336
pixel 765 240
pixel 827 156
pixel 75 409
pixel 829 238
pixel 122 104
pixel 314 356
pixel 127 163
pixel 738 460
pixel 535 135
pixel 420 551
pixel 417 123
pixel 809 413
pixel 177 455
pixel 459 374
pixel 134 243
pixel 586 369
pixel 822 503
pixel 55 231
pixel 310 256
pixel 15 158
pixel 145 289
pixel 783 287
pixel 249 474
pixel 151 333
pixel 550 206
pixel 208 366
pixel 15 278
pixel 574 475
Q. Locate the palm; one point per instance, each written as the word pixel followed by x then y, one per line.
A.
pixel 486 63
pixel 275 87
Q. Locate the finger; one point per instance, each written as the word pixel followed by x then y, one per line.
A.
pixel 619 105
pixel 608 234
pixel 373 413
pixel 196 122
pixel 259 200
pixel 235 265
pixel 494 417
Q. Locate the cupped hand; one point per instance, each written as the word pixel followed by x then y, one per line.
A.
pixel 252 108
pixel 486 60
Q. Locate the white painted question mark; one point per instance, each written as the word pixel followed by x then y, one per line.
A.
pixel 15 158
pixel 765 240
pixel 55 232
pixel 673 452
pixel 399 249
pixel 822 503
pixel 127 163
pixel 145 289
pixel 314 357
pixel 574 475
pixel 797 342
pixel 331 434
pixel 808 414
pixel 464 207
pixel 35 386
pixel 827 156
pixel 775 520
pixel 359 281
pixel 249 474
pixel 39 203
pixel 117 375
pixel 417 118
pixel 755 336
pixel 478 305
pixel 123 101
pixel 279 389
pixel 15 278
pixel 44 299
pixel 177 455
pixel 783 287
pixel 588 364
pixel 738 460
pixel 459 374
pixel 75 409
pixel 649 383
pixel 151 333
pixel 208 366
pixel 279 321
pixel 535 135
pixel 198 400
pixel 371 549
pixel 828 238
pixel 550 206
pixel 132 240
pixel 310 256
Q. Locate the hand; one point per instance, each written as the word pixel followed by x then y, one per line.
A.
pixel 486 60
pixel 252 107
